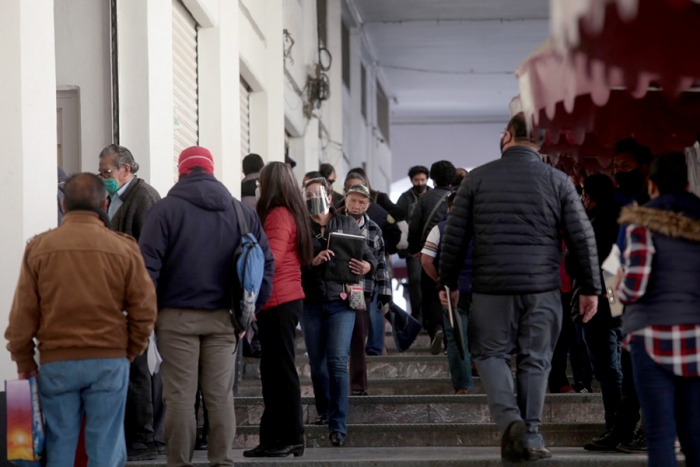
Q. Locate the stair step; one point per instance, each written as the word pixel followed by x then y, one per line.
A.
pixel 421 342
pixel 301 351
pixel 383 366
pixel 377 387
pixel 382 387
pixel 429 434
pixel 434 409
pixel 420 457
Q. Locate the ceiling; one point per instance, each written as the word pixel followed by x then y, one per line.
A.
pixel 452 60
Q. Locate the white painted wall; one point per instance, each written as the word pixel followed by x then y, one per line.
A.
pixel 219 122
pixel 362 139
pixel 318 138
pixel 261 65
pixel 146 87
pixel 466 145
pixel 28 132
pixel 83 59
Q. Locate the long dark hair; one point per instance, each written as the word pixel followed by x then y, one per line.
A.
pixel 278 188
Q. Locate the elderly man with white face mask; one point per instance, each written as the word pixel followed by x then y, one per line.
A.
pixel 357 201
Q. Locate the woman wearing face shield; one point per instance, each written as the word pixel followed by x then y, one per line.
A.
pixel 327 320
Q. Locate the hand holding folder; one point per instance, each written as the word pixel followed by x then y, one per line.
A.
pixel 345 247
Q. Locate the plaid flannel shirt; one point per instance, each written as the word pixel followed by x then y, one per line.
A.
pixel 676 348
pixel 375 241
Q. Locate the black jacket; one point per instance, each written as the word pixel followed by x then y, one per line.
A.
pixel 136 202
pixel 188 242
pixel 420 225
pixel 316 288
pixel 515 210
pixel 407 202
pixel 604 221
pixel 382 199
pixel 248 186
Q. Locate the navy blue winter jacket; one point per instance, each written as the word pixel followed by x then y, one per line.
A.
pixel 672 294
pixel 188 241
pixel 465 274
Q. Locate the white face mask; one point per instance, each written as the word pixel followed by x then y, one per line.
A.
pixel 257 193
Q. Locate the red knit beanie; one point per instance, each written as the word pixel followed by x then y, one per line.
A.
pixel 195 156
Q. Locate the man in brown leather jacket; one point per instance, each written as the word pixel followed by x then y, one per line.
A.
pixel 84 294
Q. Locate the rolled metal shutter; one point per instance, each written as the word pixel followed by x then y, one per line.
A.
pixel 185 80
pixel 245 118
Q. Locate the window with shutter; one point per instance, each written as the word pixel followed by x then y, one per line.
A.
pixel 245 118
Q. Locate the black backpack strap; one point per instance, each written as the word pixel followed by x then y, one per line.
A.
pixel 242 223
pixel 432 213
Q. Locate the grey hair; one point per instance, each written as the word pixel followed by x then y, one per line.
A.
pixel 124 156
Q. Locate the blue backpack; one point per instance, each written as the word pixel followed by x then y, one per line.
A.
pixel 249 267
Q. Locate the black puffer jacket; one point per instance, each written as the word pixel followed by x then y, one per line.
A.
pixel 514 210
pixel 316 288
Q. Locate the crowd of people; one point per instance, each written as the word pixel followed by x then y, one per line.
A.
pixel 518 244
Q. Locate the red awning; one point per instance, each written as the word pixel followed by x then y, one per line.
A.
pixel 559 95
pixel 642 41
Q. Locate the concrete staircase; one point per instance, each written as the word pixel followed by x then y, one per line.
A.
pixel 412 419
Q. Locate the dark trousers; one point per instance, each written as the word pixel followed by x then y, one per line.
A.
pixel 282 420
pixel 603 344
pixel 358 360
pixel 580 362
pixel 158 409
pixel 199 402
pixel 415 272
pixel 139 420
pixel 529 325
pixel 557 377
pixel 671 406
pixel 627 415
pixel 431 307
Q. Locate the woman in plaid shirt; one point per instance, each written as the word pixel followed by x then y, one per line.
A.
pixel 660 285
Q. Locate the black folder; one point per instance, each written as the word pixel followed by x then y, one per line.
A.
pixel 345 247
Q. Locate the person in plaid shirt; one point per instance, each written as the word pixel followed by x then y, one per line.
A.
pixel 660 284
pixel 357 200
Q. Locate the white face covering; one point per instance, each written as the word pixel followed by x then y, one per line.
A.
pixel 257 193
pixel 316 200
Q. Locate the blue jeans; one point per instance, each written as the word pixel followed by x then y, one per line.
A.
pixel 460 370
pixel 670 406
pixel 375 338
pixel 327 333
pixel 94 388
pixel 603 344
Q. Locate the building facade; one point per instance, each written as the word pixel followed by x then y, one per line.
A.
pixel 157 76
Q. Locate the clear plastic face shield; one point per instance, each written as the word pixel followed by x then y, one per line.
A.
pixel 316 198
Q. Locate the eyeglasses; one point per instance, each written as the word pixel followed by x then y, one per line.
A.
pixel 105 174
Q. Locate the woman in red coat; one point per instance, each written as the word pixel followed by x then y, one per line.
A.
pixel 283 213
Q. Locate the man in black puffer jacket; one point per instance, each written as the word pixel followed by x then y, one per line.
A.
pixel 515 210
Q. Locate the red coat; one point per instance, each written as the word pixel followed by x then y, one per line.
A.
pixel 281 231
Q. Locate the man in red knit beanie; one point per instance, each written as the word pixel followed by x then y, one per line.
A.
pixel 188 243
